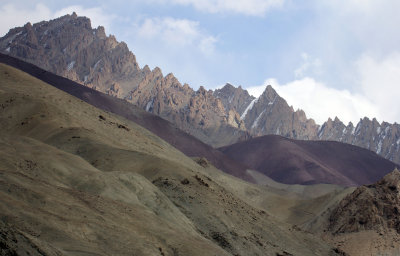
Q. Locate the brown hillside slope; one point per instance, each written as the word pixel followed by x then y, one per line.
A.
pixel 75 180
pixel 184 142
pixel 310 162
pixel 367 221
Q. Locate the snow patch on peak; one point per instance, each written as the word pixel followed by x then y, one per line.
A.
pixel 249 107
pixel 378 130
pixel 321 131
pixel 230 99
pixel 149 106
pixel 379 150
pixel 70 65
pixel 272 102
pixel 8 49
pixel 97 63
pixel 257 119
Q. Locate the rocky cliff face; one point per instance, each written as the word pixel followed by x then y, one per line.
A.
pixel 70 47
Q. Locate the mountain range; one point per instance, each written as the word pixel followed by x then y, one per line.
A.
pixel 70 47
pixel 101 157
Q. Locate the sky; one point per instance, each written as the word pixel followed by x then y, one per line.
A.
pixel 330 58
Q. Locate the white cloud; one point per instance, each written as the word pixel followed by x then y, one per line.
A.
pixel 319 101
pixel 177 33
pixel 376 92
pixel 13 16
pixel 379 81
pixel 246 7
pixel 370 24
pixel 308 64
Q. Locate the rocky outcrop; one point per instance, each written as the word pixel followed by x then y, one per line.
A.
pixel 70 47
pixel 373 207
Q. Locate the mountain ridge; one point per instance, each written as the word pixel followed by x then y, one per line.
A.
pixel 271 114
pixel 68 46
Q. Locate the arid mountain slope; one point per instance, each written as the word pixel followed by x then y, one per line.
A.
pixel 76 180
pixel 184 142
pixel 309 162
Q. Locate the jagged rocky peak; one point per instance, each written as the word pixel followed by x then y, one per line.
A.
pixel 70 47
pixel 234 98
pixel 269 93
pixel 270 114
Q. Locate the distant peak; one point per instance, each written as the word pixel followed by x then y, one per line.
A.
pixel 28 25
pixel 157 70
pixel 228 86
pixel 146 69
pixel 74 15
pixel 269 93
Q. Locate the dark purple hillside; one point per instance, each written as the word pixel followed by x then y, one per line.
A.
pixel 310 162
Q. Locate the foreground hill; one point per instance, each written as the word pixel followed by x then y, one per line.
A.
pixel 310 162
pixel 166 130
pixel 369 216
pixel 76 180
